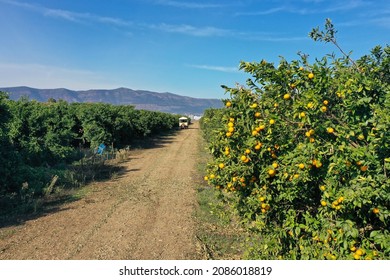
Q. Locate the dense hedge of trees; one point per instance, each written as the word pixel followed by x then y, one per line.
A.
pixel 38 139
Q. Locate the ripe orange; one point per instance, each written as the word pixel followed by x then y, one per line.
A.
pixel 330 130
pixel 324 109
pixel 254 133
pixel 364 168
pixel 243 158
pixel 375 211
pixel 258 146
pixel 311 75
pixel 275 165
pixel 359 252
pixel 271 172
pixel 307 133
pixel 302 114
pixel 247 151
pixel 286 96
pixel 271 121
pixel 221 165
pixel 228 104
pixel 231 129
pixel 326 102
pixel 322 188
pixel 230 124
pixel 228 134
pixel 301 166
pixel 310 105
pixel 257 114
pixel 323 203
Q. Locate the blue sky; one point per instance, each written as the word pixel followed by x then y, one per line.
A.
pixel 185 47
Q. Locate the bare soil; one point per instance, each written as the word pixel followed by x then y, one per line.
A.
pixel 146 212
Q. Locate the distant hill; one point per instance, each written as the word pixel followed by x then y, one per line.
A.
pixel 141 99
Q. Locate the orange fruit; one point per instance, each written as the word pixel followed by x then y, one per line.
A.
pixel 271 172
pixel 326 102
pixel 254 133
pixel 228 104
pixel 322 188
pixel 323 203
pixel 302 114
pixel 311 75
pixel 231 129
pixel 286 96
pixel 221 165
pixel 375 211
pixel 330 130
pixel 243 158
pixel 301 166
pixel 257 114
pixel 228 134
pixel 364 168
pixel 275 165
pixel 324 109
pixel 271 121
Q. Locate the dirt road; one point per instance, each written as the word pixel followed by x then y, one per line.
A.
pixel 144 213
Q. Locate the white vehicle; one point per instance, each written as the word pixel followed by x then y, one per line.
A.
pixel 183 122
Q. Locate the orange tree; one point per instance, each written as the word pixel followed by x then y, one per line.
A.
pixel 305 150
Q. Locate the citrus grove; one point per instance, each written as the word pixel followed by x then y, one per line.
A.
pixel 303 152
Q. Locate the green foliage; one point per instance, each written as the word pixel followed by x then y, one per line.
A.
pixel 305 149
pixel 38 140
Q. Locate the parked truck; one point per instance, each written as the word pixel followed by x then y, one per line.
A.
pixel 184 122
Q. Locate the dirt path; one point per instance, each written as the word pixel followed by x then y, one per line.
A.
pixel 145 213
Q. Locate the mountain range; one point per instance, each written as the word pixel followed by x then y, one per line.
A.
pixel 141 99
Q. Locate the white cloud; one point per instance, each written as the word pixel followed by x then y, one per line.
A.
pixel 207 31
pixel 216 68
pixel 189 5
pixel 69 15
pixel 315 7
pixel 45 76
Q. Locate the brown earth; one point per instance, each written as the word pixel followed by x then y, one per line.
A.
pixel 146 212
